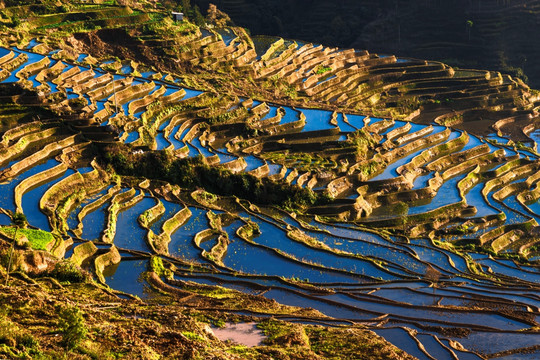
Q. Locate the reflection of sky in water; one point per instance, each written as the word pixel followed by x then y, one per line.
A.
pixel 252 259
pixel 317 119
pixel 31 199
pixel 126 277
pixel 196 142
pixel 32 58
pixel 272 113
pixel 161 142
pixel 132 136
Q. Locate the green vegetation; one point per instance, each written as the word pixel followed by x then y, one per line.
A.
pixel 67 271
pixel 337 344
pixel 193 172
pixel 35 322
pixel 301 161
pixel 452 120
pixel 37 239
pixel 370 168
pixel 72 326
pixel 323 69
pixel 330 343
pixel 362 140
pixel 326 176
pixel 15 341
pixel 274 329
pixel 156 264
pixel 192 336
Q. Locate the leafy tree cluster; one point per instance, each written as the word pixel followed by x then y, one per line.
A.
pixel 194 173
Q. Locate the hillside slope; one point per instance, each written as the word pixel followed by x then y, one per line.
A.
pixel 481 34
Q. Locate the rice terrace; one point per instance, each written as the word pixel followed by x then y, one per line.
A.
pixel 173 187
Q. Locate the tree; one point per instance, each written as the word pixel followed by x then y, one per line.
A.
pixel 17 221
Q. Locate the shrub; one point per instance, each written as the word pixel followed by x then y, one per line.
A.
pixel 72 326
pixel 12 336
pixel 66 270
pixel 19 219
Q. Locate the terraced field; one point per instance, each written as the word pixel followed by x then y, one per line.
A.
pixel 405 243
pixel 493 39
pixel 284 71
pixel 423 231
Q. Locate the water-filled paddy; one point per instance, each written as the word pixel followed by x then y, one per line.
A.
pixel 129 234
pixel 251 259
pixel 30 200
pixel 373 275
pixel 126 277
pixel 403 340
pixel 317 119
pixel 182 244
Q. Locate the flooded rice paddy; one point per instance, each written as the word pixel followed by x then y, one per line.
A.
pixel 418 292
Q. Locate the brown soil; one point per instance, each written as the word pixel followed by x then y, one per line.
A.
pixel 115 42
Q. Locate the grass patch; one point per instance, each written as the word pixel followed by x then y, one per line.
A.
pixel 156 263
pixel 38 239
pixel 322 69
pixel 192 336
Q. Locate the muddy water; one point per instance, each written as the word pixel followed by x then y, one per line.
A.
pixel 242 333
